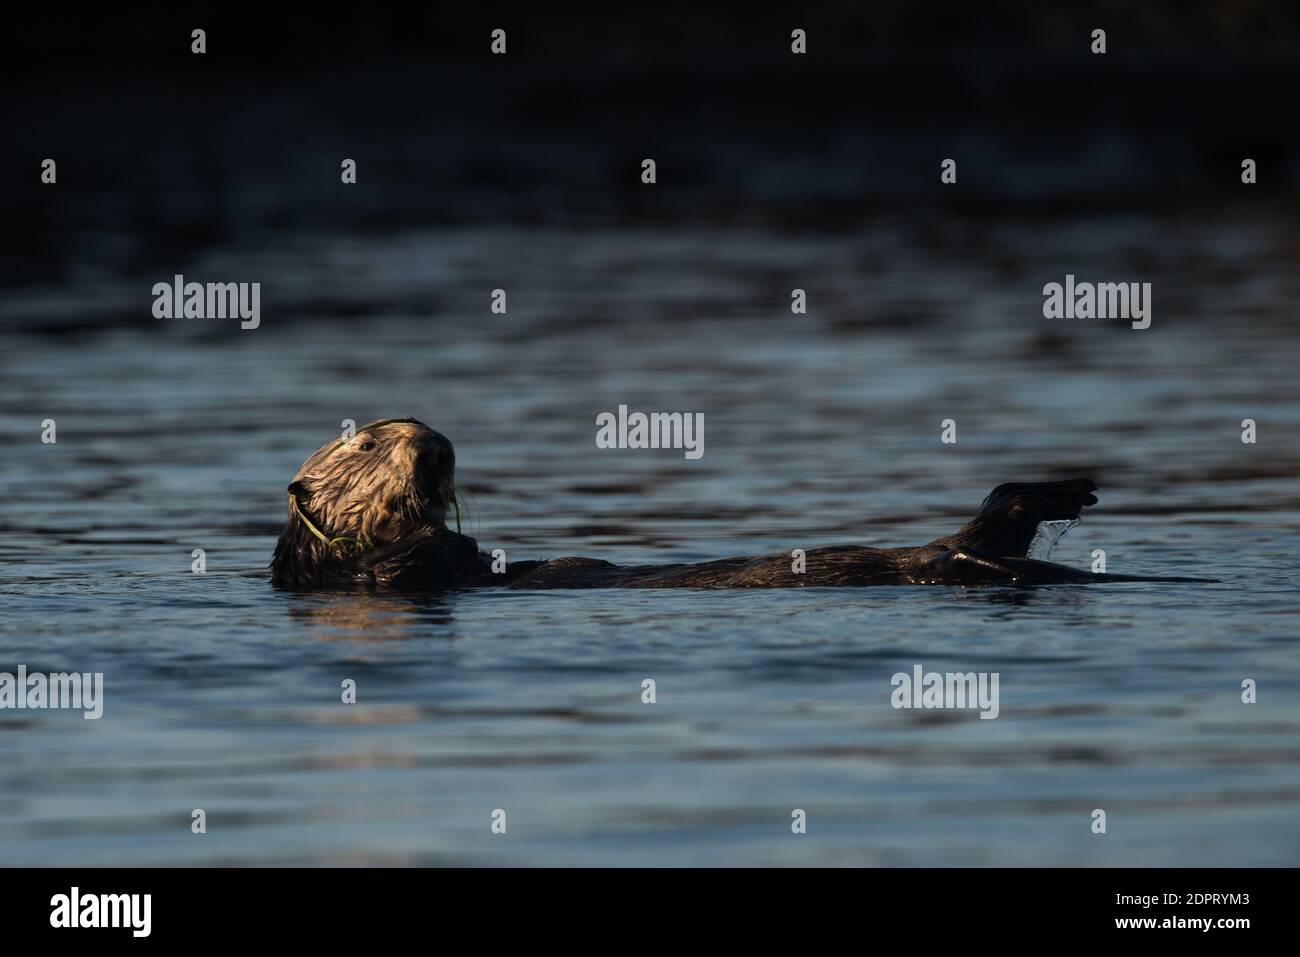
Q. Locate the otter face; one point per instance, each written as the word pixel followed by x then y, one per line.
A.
pixel 392 478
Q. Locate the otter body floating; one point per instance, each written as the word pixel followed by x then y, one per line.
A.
pixel 371 511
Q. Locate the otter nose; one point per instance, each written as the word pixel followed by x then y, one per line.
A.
pixel 436 452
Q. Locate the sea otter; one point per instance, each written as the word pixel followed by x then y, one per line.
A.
pixel 372 510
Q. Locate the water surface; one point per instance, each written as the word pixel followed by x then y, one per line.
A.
pixel 223 694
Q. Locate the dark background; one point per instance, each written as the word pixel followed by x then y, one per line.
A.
pixel 162 152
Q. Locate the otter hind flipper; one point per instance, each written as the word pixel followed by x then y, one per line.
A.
pixel 1009 517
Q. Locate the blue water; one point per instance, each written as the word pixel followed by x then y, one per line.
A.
pixel 223 694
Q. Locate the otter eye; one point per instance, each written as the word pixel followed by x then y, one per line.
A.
pixel 367 446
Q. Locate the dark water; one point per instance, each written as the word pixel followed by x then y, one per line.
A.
pixel 222 694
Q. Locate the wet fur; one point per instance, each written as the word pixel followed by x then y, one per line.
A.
pixel 395 497
pixel 390 487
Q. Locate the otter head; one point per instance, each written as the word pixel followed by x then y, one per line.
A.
pixel 393 478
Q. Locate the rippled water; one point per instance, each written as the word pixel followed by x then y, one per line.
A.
pixel 222 694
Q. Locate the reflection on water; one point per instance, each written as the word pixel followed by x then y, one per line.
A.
pixel 370 617
pixel 224 694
